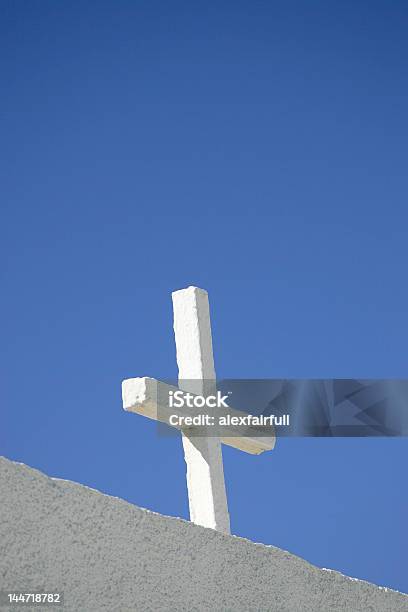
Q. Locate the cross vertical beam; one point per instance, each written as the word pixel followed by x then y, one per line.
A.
pixel 203 455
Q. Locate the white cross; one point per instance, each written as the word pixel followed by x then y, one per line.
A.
pixel 203 454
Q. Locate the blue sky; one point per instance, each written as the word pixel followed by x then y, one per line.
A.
pixel 255 149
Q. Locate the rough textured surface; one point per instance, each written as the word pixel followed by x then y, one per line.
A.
pixel 106 554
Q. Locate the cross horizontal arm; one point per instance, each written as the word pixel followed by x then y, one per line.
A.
pixel 145 396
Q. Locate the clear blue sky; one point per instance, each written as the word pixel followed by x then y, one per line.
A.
pixel 258 150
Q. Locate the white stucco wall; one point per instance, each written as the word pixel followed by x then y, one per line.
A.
pixel 106 554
